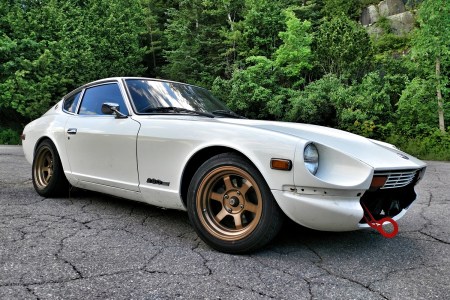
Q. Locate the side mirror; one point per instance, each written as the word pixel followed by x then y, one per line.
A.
pixel 109 108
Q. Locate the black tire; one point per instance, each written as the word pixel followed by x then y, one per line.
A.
pixel 230 205
pixel 48 175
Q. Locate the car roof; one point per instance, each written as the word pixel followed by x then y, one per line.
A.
pixel 111 79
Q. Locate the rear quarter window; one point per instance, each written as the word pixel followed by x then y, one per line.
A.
pixel 71 103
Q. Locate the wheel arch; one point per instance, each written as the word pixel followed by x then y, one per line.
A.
pixel 40 140
pixel 58 149
pixel 197 160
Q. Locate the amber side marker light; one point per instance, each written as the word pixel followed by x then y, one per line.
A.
pixel 22 137
pixel 280 164
pixel 378 182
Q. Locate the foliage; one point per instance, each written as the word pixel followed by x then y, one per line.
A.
pixel 431 48
pixel 262 88
pixel 194 41
pixel 315 104
pixel 294 55
pixel 433 146
pixel 63 44
pixel 343 48
pixel 415 112
pixel 361 108
pixel 349 8
pixel 303 61
pixel 9 136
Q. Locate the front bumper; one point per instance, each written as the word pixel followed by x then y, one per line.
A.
pixel 332 209
pixel 341 210
pixel 322 212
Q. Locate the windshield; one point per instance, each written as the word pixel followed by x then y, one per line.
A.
pixel 147 95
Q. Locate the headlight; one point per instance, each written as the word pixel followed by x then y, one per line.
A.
pixel 311 158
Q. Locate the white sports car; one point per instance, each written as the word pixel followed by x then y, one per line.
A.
pixel 174 145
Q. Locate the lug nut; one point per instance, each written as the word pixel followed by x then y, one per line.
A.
pixel 229 210
pixel 226 196
pixel 238 192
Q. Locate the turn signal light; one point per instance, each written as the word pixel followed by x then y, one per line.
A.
pixel 280 164
pixel 378 181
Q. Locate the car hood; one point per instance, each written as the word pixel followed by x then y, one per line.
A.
pixel 378 155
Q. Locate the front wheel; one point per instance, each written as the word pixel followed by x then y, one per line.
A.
pixel 48 175
pixel 230 205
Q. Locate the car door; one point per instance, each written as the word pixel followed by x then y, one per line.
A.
pixel 102 148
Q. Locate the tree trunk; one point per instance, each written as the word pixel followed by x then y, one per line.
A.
pixel 439 96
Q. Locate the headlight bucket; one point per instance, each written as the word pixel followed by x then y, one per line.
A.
pixel 311 158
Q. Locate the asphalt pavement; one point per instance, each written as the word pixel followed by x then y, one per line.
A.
pixel 94 246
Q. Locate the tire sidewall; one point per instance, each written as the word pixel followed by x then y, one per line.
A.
pixel 270 209
pixel 58 181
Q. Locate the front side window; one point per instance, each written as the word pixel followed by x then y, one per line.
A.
pixel 70 104
pixel 94 98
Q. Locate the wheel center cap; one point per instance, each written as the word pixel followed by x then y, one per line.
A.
pixel 234 201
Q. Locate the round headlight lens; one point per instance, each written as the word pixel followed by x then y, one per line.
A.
pixel 311 158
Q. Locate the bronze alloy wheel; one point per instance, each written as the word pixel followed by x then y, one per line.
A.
pixel 229 203
pixel 231 206
pixel 48 175
pixel 43 169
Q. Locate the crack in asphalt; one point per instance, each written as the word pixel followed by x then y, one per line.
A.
pixel 68 233
pixel 435 238
pixel 319 264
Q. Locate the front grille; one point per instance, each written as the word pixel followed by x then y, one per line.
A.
pixel 397 179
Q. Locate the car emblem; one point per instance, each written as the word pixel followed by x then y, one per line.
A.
pixel 403 156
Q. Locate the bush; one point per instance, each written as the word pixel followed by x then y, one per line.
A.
pixel 435 146
pixel 9 137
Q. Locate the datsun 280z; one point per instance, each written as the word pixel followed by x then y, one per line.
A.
pixel 176 146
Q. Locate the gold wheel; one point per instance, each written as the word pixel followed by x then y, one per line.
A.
pixel 229 203
pixel 43 168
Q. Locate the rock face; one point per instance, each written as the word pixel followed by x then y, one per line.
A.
pixel 391 7
pixel 401 21
pixel 369 15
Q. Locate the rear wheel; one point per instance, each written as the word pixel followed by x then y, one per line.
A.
pixel 231 206
pixel 47 172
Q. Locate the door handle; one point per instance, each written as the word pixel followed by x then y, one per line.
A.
pixel 72 131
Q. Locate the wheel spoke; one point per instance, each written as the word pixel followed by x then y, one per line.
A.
pixel 47 178
pixel 217 197
pixel 237 221
pixel 228 183
pixel 48 161
pixel 251 207
pixel 222 214
pixel 245 187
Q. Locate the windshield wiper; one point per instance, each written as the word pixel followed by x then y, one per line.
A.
pixel 227 113
pixel 169 109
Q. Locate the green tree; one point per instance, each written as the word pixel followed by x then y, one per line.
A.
pixel 415 111
pixel 343 48
pixel 261 22
pixel 197 51
pixel 49 48
pixel 349 8
pixel 262 88
pixel 431 47
pixel 315 104
pixel 294 54
pixel 364 108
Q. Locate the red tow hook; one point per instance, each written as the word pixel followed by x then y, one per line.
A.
pixel 378 225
